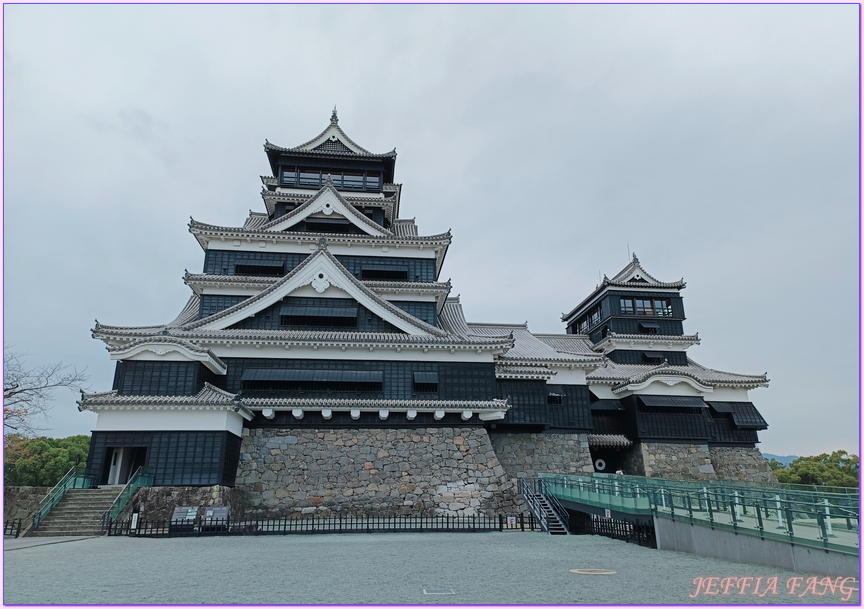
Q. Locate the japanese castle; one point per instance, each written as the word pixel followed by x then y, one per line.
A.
pixel 325 311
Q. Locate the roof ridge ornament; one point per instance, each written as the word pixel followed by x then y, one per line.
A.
pixel 334 118
pixel 636 260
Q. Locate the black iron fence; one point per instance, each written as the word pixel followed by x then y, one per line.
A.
pixel 12 528
pixel 643 534
pixel 312 525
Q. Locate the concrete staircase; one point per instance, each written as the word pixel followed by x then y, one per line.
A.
pixel 78 513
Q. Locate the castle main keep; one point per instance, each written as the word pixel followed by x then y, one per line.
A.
pixel 321 366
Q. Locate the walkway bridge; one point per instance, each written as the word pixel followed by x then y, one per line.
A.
pixel 801 527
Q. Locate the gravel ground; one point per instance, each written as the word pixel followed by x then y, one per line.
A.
pixel 385 568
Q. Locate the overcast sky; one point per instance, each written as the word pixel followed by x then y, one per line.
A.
pixel 720 143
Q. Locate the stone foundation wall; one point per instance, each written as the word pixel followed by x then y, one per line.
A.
pixel 528 454
pixel 429 471
pixel 22 501
pixel 158 502
pixel 676 461
pixel 742 464
pixel 698 462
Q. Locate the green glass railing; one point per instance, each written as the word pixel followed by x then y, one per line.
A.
pixel 139 478
pixel 74 478
pixel 817 519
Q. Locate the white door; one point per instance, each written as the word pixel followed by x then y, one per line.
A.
pixel 116 465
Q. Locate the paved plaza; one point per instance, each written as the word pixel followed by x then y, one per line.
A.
pixel 387 568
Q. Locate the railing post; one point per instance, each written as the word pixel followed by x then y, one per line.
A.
pixel 779 521
pixel 828 518
pixel 522 521
pixel 689 507
pixel 759 518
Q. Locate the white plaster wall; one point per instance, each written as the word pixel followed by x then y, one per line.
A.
pixel 169 420
pixel 728 394
pixel 660 388
pixel 565 376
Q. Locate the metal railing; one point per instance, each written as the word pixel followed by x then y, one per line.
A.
pixel 74 478
pixel 825 519
pixel 12 528
pixel 308 526
pixel 531 490
pixel 139 478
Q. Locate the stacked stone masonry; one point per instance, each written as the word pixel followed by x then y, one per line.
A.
pixel 425 471
pixel 526 455
pixel 698 462
pixel 22 501
pixel 158 502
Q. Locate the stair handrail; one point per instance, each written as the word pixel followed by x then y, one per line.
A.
pixel 70 480
pixel 139 478
pixel 557 507
pixel 526 489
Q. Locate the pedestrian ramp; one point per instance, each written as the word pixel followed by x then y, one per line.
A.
pixel 738 520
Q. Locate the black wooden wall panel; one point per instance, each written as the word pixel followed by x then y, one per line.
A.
pixel 136 377
pixel 457 381
pixel 626 356
pixel 223 262
pixel 574 412
pixel 426 311
pixel 175 458
pixel 268 319
pixel 528 401
pixel 212 304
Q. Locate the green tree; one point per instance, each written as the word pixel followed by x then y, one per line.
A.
pixel 837 469
pixel 41 461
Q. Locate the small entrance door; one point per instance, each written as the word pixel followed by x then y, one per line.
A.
pixel 116 466
pixel 124 462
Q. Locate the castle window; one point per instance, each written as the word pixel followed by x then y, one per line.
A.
pixel 653 357
pixel 589 320
pixel 310 177
pixel 289 176
pixel 382 273
pixel 555 398
pixel 649 327
pixel 271 380
pixel 265 268
pixel 320 317
pixel 425 382
pixel 353 180
pixel 659 307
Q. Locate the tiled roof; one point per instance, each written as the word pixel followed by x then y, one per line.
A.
pixel 577 344
pixel 168 340
pixel 452 318
pixel 621 375
pixel 596 439
pixel 405 228
pixel 336 135
pixel 256 281
pixel 529 348
pixel 188 314
pixel 308 337
pixel 255 221
pixel 515 371
pixel 209 398
pixel 236 232
pixel 362 403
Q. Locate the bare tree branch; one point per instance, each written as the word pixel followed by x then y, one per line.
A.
pixel 27 392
